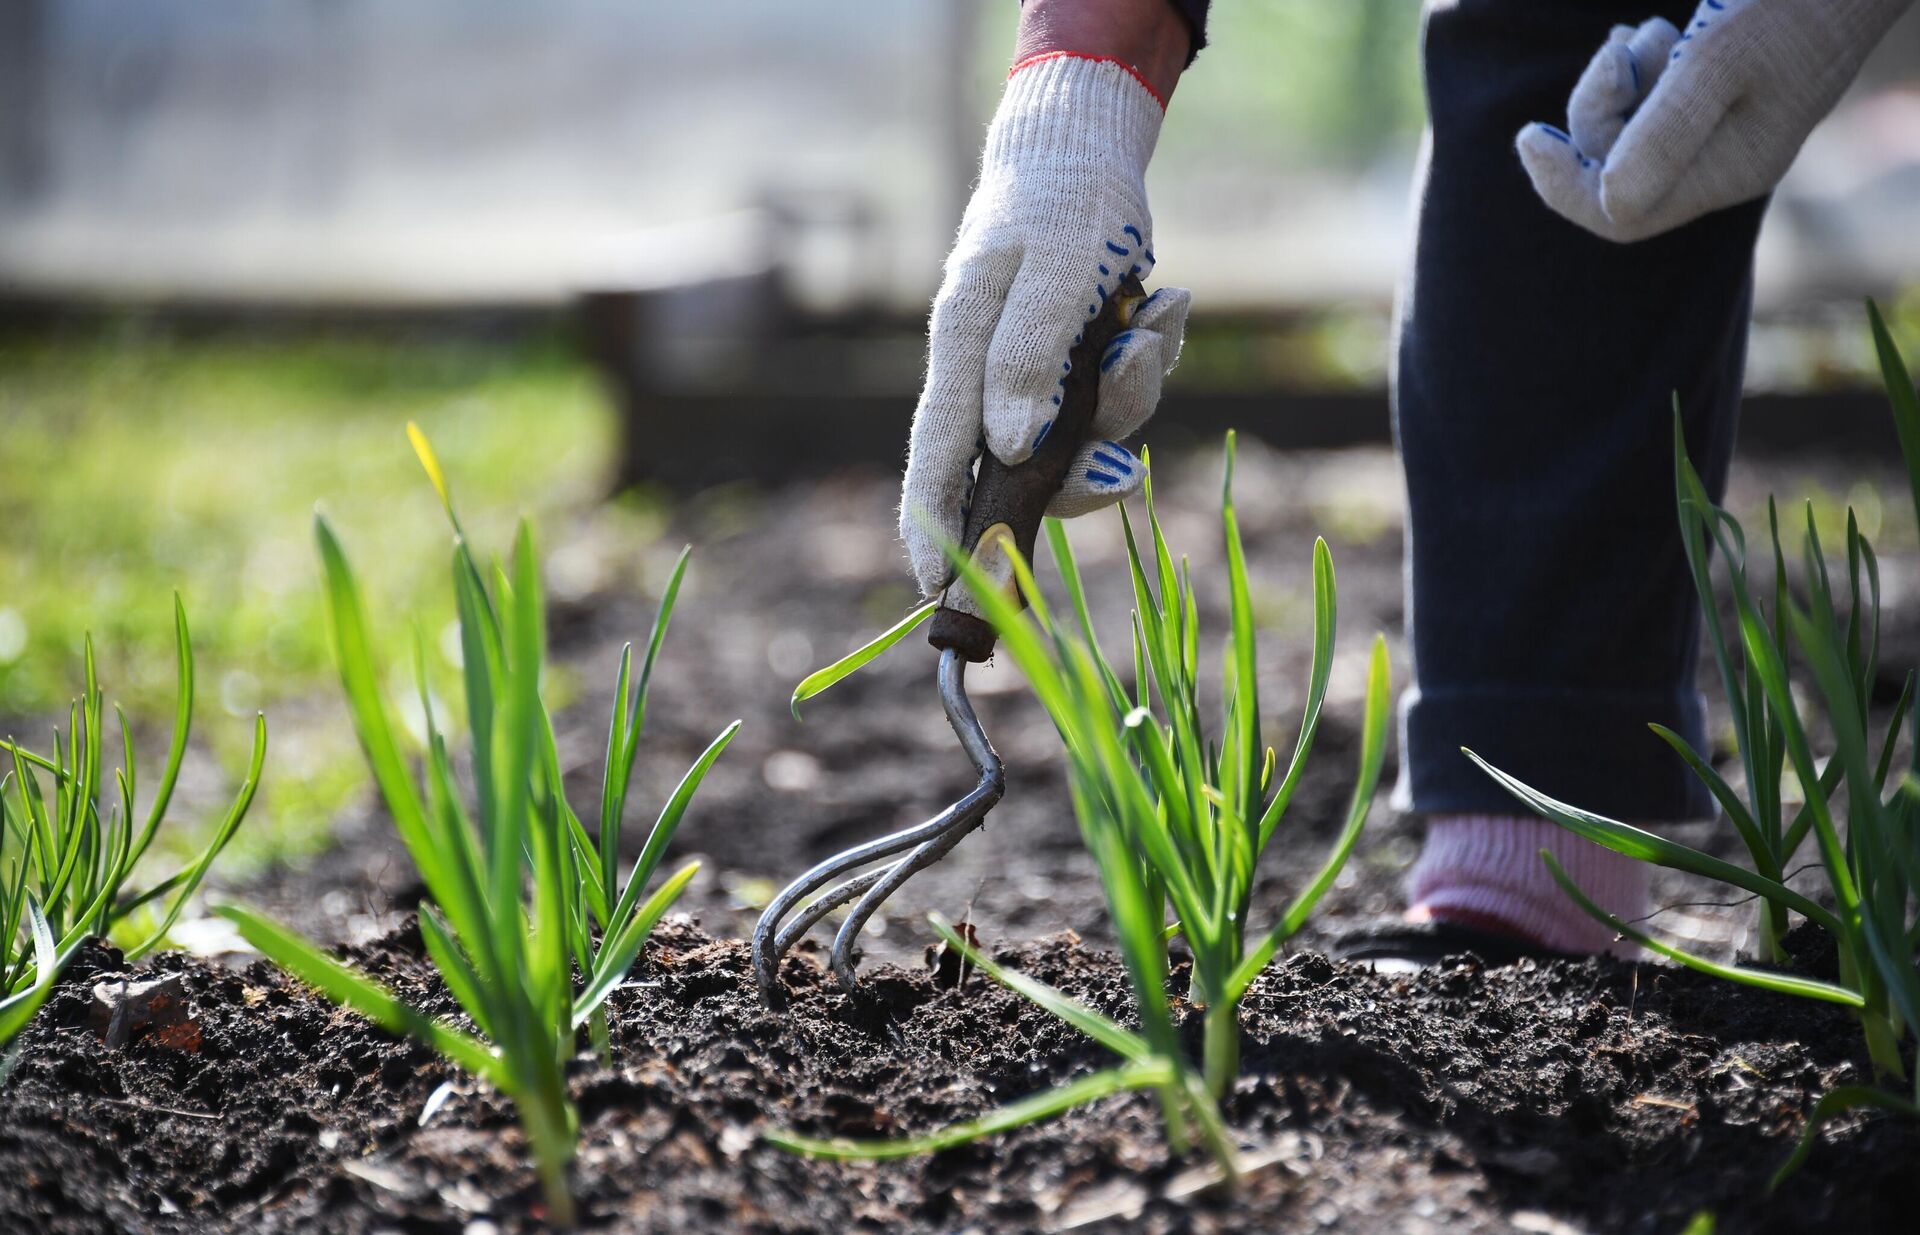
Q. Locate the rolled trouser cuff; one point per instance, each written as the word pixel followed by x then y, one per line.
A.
pixel 1590 750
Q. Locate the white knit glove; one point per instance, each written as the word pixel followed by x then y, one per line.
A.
pixel 1666 125
pixel 1059 219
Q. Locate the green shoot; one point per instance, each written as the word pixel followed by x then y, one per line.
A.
pixel 1176 818
pixel 1765 979
pixel 69 848
pixel 17 1009
pixel 1151 1074
pixel 1702 1223
pixel 819 680
pixel 1837 1102
pixel 519 893
pixel 1872 871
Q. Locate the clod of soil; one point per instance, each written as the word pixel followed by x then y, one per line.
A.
pixel 1603 1095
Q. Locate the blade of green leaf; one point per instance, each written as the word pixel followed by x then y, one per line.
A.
pixel 1901 393
pixel 1107 1032
pixel 515 743
pixel 1373 753
pixel 1244 735
pixel 1325 621
pixel 228 826
pixel 819 680
pixel 1155 1074
pixel 1831 1105
pixel 43 948
pixel 1648 847
pixel 1069 568
pixel 1723 793
pixel 456 970
pixel 17 1009
pixel 612 790
pixel 1765 979
pixel 482 669
pixel 353 654
pixel 357 991
pixel 634 721
pixel 182 729
pixel 617 954
pixel 665 826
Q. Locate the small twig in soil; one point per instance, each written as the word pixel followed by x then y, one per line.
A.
pixel 161 1110
pixel 374 899
pixel 1735 903
pixel 1741 1065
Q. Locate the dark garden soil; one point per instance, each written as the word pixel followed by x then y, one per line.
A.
pixel 1602 1095
pixel 1590 1096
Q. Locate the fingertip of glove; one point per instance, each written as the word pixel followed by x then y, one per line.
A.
pixel 926 556
pixel 1542 146
pixel 1107 466
pixel 1652 47
pixel 1015 426
pixel 1103 473
pixel 1540 131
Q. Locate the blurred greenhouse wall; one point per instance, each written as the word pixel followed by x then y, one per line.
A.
pixel 458 151
pixel 505 152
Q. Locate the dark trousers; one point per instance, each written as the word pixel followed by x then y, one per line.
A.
pixel 1548 600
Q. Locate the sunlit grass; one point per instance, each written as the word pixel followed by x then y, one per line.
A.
pixel 139 464
pixel 69 848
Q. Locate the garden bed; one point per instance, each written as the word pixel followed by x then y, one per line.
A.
pixel 1597 1095
pixel 1600 1095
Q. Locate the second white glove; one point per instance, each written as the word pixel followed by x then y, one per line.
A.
pixel 1668 125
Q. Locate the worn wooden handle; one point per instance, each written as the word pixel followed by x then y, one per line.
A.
pixel 1009 502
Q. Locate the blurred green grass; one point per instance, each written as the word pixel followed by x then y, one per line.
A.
pixel 138 463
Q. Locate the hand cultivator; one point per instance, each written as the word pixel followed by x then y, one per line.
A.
pixel 1007 506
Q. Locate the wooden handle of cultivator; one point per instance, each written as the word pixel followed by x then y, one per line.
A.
pixel 1009 502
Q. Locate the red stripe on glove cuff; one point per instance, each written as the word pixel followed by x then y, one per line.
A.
pixel 1132 72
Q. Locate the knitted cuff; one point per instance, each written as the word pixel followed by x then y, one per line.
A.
pixel 1478 868
pixel 1062 106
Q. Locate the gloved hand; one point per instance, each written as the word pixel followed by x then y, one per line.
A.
pixel 1059 219
pixel 1666 125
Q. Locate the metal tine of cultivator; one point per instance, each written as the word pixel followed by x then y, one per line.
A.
pixel 928 842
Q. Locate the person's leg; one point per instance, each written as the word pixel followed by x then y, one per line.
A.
pixel 1548 601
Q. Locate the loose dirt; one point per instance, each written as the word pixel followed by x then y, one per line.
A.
pixel 1590 1096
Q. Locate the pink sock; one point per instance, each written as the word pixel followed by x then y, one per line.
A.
pixel 1485 870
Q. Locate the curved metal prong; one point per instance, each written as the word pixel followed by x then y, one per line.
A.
pixel 770 942
pixel 825 904
pixel 890 881
pixel 929 841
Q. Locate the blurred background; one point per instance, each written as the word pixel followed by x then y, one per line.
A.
pixel 656 273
